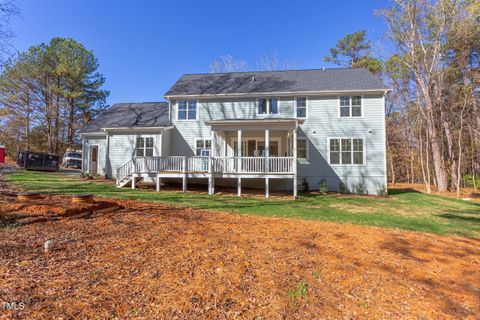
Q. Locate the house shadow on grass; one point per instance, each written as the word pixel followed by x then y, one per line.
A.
pixel 398 191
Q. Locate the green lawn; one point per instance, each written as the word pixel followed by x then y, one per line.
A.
pixel 404 209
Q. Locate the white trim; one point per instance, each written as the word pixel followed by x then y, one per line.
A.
pixel 281 93
pixel 295 106
pixel 139 128
pixel 362 101
pixel 340 159
pixel 261 121
pixel 177 109
pixel 307 146
pixel 384 133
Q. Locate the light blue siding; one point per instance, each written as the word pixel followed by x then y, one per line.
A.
pixel 122 148
pixel 323 122
pixel 90 141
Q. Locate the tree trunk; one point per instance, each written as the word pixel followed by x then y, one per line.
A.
pixel 71 119
pixel 438 161
pixel 451 151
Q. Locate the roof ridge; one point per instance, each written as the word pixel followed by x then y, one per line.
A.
pixel 273 71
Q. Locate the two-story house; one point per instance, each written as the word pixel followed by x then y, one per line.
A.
pixel 267 130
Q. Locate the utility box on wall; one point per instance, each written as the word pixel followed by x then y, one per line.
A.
pixel 2 154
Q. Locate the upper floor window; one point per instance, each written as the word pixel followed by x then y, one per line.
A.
pixel 187 110
pixel 346 151
pixel 144 147
pixel 203 147
pixel 268 106
pixel 301 106
pixel 350 106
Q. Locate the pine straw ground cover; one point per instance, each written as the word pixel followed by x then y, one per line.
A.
pixel 150 261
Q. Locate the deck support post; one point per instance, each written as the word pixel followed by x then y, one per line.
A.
pixel 133 182
pixel 267 150
pixel 295 181
pixel 267 188
pixel 239 186
pixel 184 171
pixel 211 178
pixel 158 183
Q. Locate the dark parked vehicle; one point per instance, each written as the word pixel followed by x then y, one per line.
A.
pixel 40 161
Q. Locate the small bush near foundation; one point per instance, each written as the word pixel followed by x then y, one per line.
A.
pixel 342 187
pixel 360 189
pixel 90 176
pixel 323 186
pixel 382 190
pixel 305 185
pixel 83 175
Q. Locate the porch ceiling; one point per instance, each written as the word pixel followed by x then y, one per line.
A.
pixel 254 124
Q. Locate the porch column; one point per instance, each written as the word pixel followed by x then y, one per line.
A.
pixel 267 161
pixel 133 182
pixel 295 183
pixel 239 150
pixel 211 178
pixel 158 183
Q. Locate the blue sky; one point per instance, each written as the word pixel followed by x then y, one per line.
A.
pixel 144 46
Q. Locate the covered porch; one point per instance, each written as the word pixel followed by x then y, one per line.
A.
pixel 267 150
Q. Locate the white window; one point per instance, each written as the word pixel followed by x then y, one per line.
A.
pixel 302 148
pixel 187 110
pixel 301 106
pixel 267 106
pixel 346 151
pixel 350 106
pixel 144 147
pixel 203 147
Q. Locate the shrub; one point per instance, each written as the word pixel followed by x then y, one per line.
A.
pixel 468 180
pixel 323 186
pixel 90 176
pixel 360 189
pixel 83 175
pixel 342 187
pixel 382 190
pixel 305 185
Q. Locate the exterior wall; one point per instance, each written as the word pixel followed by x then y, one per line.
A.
pixel 322 122
pixel 122 148
pixel 89 141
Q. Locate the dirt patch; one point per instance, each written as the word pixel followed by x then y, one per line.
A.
pixel 48 207
pixel 151 261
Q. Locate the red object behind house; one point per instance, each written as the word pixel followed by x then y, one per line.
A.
pixel 2 154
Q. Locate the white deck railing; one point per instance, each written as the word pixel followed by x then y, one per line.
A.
pixel 196 164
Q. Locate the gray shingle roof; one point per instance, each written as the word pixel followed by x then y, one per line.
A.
pixel 314 80
pixel 130 115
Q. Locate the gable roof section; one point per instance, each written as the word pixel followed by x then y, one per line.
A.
pixel 289 81
pixel 130 115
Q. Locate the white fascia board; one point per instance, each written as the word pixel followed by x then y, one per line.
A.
pixel 283 93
